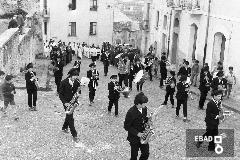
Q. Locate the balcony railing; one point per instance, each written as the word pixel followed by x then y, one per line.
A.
pixel 191 5
pixel 46 13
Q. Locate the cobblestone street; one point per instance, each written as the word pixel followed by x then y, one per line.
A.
pixel 38 135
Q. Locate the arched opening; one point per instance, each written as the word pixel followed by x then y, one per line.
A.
pixel 165 22
pixel 193 40
pixel 176 22
pixel 155 48
pixel 164 41
pixel 218 48
pixel 133 43
pixel 174 48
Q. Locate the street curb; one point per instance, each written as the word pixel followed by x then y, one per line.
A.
pixel 224 104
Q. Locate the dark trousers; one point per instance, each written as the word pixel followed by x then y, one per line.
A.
pixel 32 98
pixel 57 82
pixel 110 104
pixel 69 122
pixel 169 93
pixel 130 81
pixel 91 94
pixel 139 86
pixel 163 77
pixel 184 103
pixel 202 100
pixel 105 69
pixel 122 78
pixel 144 151
pixel 211 131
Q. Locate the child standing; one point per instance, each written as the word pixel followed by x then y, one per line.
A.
pixel 8 91
pixel 170 88
pixel 195 72
pixel 231 80
pixel 113 94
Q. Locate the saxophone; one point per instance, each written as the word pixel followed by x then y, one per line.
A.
pixel 148 132
pixel 74 101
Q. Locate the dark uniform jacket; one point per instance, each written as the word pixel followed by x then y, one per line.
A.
pixel 66 90
pixel 216 82
pixel 137 68
pixel 93 82
pixel 106 59
pixel 113 94
pixel 184 71
pixel 181 93
pixel 30 85
pixel 211 112
pixel 6 90
pixel 59 72
pixel 169 81
pixel 203 87
pixel 134 123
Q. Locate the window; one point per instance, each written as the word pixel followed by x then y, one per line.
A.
pixel 72 5
pixel 45 28
pixel 165 22
pixel 93 5
pixel 157 20
pixel 93 28
pixel 45 4
pixel 72 26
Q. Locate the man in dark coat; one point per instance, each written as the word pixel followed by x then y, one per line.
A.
pixel 93 75
pixel 219 83
pixel 58 72
pixel 163 70
pixel 114 94
pixel 212 119
pixel 31 78
pixel 68 87
pixel 134 123
pixel 106 60
pixel 204 87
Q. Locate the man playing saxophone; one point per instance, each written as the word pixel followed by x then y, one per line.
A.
pixel 134 123
pixel 68 88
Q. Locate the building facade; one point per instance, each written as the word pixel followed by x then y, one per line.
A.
pixel 89 21
pixel 205 30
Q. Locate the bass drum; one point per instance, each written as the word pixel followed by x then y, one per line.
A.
pixel 138 76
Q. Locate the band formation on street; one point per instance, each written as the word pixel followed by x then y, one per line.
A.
pixel 132 69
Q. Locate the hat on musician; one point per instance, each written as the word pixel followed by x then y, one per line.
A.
pixel 113 77
pixel 140 98
pixel 92 65
pixel 30 65
pixel 220 74
pixel 217 92
pixel 8 77
pixel 73 72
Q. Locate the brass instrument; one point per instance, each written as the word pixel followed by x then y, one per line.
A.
pixel 222 113
pixel 149 130
pixel 169 82
pixel 187 85
pixel 74 102
pixel 95 75
pixel 207 80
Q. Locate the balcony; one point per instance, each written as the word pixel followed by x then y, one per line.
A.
pixel 176 4
pixel 46 13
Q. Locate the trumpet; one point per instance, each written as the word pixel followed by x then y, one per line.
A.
pixel 223 114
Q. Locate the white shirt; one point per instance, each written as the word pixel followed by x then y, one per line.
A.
pixel 70 82
pixel 140 110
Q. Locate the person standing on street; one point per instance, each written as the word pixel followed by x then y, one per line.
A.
pixel 163 70
pixel 195 72
pixel 31 86
pixel 106 59
pixel 68 87
pixel 135 120
pixel 58 72
pixel 93 75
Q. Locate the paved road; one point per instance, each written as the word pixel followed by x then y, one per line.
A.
pixel 37 135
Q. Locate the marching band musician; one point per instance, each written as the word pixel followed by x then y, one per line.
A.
pixel 68 87
pixel 114 94
pixel 58 72
pixel 30 78
pixel 122 68
pixel 93 75
pixel 219 83
pixel 134 123
pixel 106 61
pixel 204 87
pixel 137 67
pixel 184 70
pixel 163 70
pixel 212 119
pixel 170 89
pixel 182 96
pixel 149 63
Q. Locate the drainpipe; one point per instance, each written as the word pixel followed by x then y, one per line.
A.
pixel 169 34
pixel 207 29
